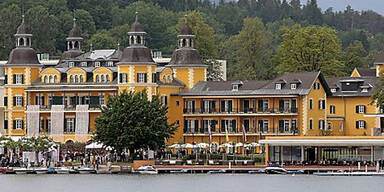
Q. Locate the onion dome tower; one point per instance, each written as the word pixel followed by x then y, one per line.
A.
pixel 136 52
pixel 74 43
pixel 187 60
pixel 23 54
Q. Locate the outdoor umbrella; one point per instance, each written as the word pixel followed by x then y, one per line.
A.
pixel 176 146
pixel 202 145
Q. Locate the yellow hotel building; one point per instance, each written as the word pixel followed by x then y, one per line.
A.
pixel 298 116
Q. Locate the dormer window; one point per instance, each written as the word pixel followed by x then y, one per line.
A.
pixel 71 64
pixel 364 90
pixel 97 64
pixel 278 86
pixel 293 86
pixel 110 63
pixel 333 90
pixel 83 64
pixel 235 87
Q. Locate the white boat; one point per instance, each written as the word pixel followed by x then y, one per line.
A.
pixel 62 170
pixel 86 170
pixel 275 170
pixel 147 170
pixel 41 170
pixel 350 174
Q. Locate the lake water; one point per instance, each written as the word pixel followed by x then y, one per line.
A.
pixel 188 183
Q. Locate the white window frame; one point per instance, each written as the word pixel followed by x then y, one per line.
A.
pixel 361 109
pixel 123 78
pixel 321 124
pixel 322 104
pixel 110 63
pixel 235 87
pixel 101 99
pixel 278 86
pixel 71 64
pixel 19 79
pixel 18 101
pixel 286 126
pixel 97 64
pixel 317 86
pixel 364 90
pixel 83 64
pixel 361 124
pixel 333 90
pixel 70 125
pixel 293 86
pixel 141 77
pixel 332 109
pixel 19 124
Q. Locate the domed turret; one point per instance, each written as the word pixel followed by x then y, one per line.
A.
pixel 136 52
pixel 74 41
pixel 186 55
pixel 23 54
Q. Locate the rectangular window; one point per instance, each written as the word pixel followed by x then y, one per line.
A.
pixel 18 101
pixel 83 64
pixel 41 127
pixel 49 125
pixel 293 86
pixel 226 106
pixel 230 125
pixel 141 77
pixel 310 124
pixel 164 100
pixel 293 125
pixel 18 124
pixel 97 64
pixel 310 104
pixel 321 104
pixel 70 125
pixel 286 126
pixel 321 124
pixel 190 107
pixel 316 86
pixel 123 78
pixel 5 124
pixel 71 64
pixel 278 86
pixel 332 109
pixel 19 78
pixel 329 126
pixel 192 126
pixel 101 99
pixel 110 63
pixel 360 108
pixel 360 124
pixel 177 103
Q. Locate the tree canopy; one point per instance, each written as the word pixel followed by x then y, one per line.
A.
pixel 310 48
pixel 131 121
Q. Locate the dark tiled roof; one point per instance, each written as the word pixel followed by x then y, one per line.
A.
pixel 23 29
pixel 136 55
pixel 366 72
pixel 368 82
pixel 186 30
pixel 185 57
pixel 23 56
pixel 259 87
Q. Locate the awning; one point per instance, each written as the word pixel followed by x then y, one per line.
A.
pixel 323 142
pixel 97 146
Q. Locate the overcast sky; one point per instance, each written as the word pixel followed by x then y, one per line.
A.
pixel 375 5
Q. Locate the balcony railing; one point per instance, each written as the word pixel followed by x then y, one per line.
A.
pixel 240 111
pixel 69 107
pixel 276 131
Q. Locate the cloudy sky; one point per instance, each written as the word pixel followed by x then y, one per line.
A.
pixel 376 5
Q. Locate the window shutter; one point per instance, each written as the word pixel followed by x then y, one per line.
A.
pixel 281 105
pixel 5 101
pixel 14 101
pixel 196 126
pixel 357 124
pixel 42 100
pixel 323 103
pixel 365 124
pixel 120 78
pixel 14 79
pixel 74 125
pixel 293 106
pixel 234 127
pixel 46 122
pixel 185 126
pixel 202 127
pixel 22 124
pixel 22 79
pixel 357 109
pixel 5 124
pixel 6 79
pixel 320 104
pixel 202 106
pixel 364 108
pixel 223 126
pixel 22 101
pixel 281 125
pixel 145 77
pixel 14 124
pixel 222 106
pixel 65 125
pixel 260 105
pixel 230 106
pixel 260 123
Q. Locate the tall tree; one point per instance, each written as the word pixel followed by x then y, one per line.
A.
pixel 131 121
pixel 354 56
pixel 102 40
pixel 312 48
pixel 10 18
pixel 248 52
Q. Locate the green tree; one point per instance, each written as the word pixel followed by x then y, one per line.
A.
pixel 249 51
pixel 131 121
pixel 311 48
pixel 102 40
pixel 10 18
pixel 354 56
pixel 378 95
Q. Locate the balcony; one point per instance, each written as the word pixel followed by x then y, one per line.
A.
pixel 251 132
pixel 69 108
pixel 240 111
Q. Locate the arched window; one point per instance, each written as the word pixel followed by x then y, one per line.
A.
pixel 21 41
pixel 55 79
pixel 138 40
pixel 81 78
pixel 76 45
pixel 97 78
pixel 72 79
pixel 184 43
pixel 76 79
pixel 132 39
pixel 50 79
pixel 107 78
pixel 102 78
pixel 45 79
pixel 70 45
pixel 28 42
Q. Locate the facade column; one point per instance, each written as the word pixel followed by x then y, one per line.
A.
pixel 302 153
pixel 372 153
